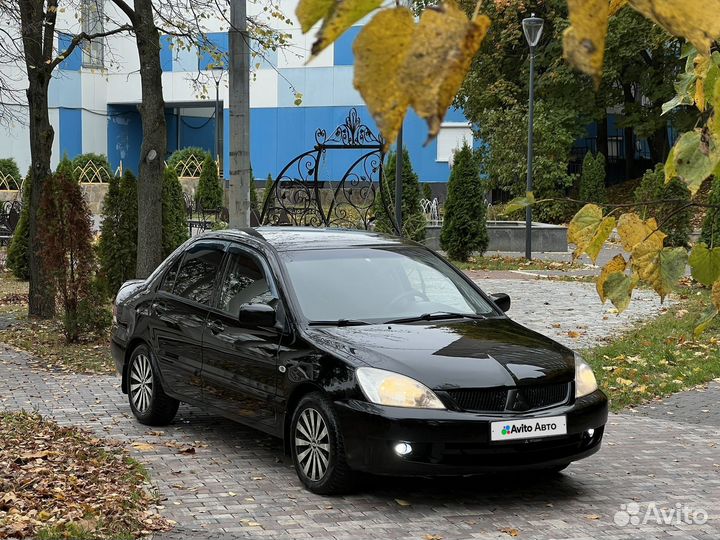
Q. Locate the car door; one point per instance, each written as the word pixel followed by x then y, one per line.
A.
pixel 240 361
pixel 180 310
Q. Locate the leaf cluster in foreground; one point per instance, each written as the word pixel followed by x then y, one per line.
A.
pixel 62 482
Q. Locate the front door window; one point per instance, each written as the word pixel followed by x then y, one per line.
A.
pixel 244 283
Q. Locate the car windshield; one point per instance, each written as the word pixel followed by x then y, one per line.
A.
pixel 380 284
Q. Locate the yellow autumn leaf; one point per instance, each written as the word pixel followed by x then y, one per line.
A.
pixel 633 230
pixel 443 47
pixel 143 447
pixel 702 65
pixel 695 20
pixel 380 50
pixel 617 5
pixel 584 39
pixel 309 12
pixel 659 267
pixel 588 230
pixel 342 15
pixel 716 294
pixel 706 318
pixel 616 265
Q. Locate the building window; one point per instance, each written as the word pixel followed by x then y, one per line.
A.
pixel 452 136
pixel 92 23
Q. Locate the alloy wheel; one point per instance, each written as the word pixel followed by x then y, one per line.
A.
pixel 141 383
pixel 312 444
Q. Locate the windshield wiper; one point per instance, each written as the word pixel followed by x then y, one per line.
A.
pixel 436 316
pixel 339 322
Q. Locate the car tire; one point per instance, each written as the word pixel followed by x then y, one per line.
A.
pixel 317 447
pixel 148 402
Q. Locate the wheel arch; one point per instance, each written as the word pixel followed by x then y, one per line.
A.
pixel 132 345
pixel 300 391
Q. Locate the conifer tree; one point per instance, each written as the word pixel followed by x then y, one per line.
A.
pixel 464 230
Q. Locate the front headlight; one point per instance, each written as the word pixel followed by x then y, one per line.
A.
pixel 388 388
pixel 585 382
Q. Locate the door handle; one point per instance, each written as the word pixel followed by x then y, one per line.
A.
pixel 216 326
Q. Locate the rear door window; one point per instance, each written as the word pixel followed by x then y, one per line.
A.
pixel 168 281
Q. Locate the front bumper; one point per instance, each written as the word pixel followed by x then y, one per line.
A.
pixel 458 443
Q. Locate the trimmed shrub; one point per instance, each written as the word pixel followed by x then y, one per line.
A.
pixel 674 218
pixel 117 248
pixel 18 256
pixel 174 219
pixel 650 189
pixel 427 192
pixel 183 154
pixel 711 225
pixel 100 160
pixel 253 196
pixel 592 179
pixel 413 219
pixel 209 191
pixel 65 245
pixel 267 190
pixel 464 230
pixel 8 167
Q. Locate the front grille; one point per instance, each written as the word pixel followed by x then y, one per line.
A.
pixel 480 399
pixel 539 397
pixel 496 399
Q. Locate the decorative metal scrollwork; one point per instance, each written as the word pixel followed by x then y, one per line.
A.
pixel 352 132
pixel 299 197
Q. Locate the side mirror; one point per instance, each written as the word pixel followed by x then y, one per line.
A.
pixel 257 315
pixel 501 300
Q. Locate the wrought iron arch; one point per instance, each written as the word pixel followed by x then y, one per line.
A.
pixel 299 197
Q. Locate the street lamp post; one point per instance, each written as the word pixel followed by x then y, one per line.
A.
pixel 217 74
pixel 399 158
pixel 532 27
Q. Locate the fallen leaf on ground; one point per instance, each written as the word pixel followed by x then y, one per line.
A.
pixel 143 447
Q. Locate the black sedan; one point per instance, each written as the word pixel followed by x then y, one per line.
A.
pixel 363 352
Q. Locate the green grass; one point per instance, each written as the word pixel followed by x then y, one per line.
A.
pixel 78 532
pixel 45 341
pixel 660 357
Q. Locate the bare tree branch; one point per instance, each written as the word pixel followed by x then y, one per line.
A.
pixel 82 36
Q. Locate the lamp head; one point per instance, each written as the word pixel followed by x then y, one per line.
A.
pixel 533 27
pixel 216 70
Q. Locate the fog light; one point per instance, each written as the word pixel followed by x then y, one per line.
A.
pixel 590 433
pixel 403 449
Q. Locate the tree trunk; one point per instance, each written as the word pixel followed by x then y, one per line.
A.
pixel 628 135
pixel 154 144
pixel 41 297
pixel 602 137
pixel 659 145
pixel 37 27
pixel 629 142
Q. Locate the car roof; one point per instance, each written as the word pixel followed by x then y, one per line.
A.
pixel 303 238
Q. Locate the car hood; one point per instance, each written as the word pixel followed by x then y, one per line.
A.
pixel 453 354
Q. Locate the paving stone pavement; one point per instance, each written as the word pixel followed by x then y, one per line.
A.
pixel 570 312
pixel 239 484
